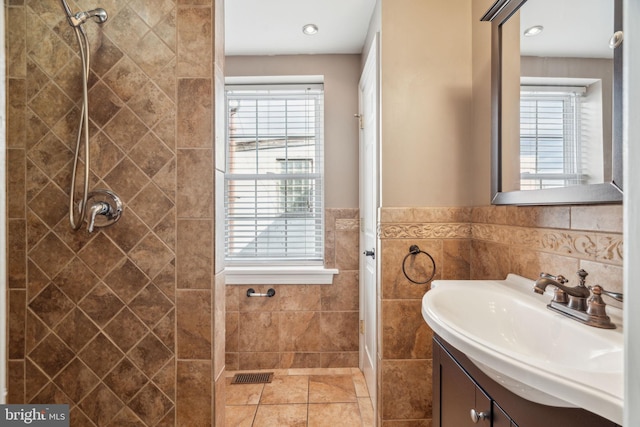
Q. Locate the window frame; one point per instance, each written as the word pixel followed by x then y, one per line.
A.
pixel 281 271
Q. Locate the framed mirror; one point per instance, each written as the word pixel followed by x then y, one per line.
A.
pixel 556 101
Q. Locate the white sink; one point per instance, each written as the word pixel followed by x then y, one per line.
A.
pixel 505 329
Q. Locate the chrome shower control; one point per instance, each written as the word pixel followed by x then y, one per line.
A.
pixel 104 209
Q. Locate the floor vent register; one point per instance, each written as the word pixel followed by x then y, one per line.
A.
pixel 252 378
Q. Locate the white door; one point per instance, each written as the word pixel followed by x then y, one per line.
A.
pixel 368 95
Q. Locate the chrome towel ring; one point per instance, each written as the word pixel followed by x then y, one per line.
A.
pixel 414 250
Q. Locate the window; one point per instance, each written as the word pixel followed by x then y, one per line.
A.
pixel 274 176
pixel 550 137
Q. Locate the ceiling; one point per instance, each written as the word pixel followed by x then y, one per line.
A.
pixel 572 28
pixel 274 27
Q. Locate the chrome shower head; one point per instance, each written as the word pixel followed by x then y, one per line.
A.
pixel 99 15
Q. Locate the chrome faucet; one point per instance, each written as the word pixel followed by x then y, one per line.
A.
pixel 577 302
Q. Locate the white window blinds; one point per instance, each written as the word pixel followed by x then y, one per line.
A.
pixel 274 175
pixel 550 148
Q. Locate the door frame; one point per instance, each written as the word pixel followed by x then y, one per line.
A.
pixel 371 67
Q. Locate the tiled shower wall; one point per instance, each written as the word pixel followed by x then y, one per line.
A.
pixel 121 324
pixel 475 243
pixel 302 326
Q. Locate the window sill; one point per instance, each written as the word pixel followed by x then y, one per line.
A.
pixel 297 275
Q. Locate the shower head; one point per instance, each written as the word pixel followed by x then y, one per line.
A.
pixel 99 15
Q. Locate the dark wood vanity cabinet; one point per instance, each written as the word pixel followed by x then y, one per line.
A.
pixel 456 394
pixel 459 386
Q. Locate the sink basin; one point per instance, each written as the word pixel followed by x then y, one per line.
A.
pixel 505 329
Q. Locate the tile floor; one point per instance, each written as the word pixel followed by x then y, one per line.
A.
pixel 301 397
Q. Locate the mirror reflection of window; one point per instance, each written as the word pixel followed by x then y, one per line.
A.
pixel 566 69
pixel 560 142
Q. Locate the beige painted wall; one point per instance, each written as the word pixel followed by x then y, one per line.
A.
pixel 341 75
pixel 480 184
pixel 426 103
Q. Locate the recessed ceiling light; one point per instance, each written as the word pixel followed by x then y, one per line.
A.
pixel 310 29
pixel 533 31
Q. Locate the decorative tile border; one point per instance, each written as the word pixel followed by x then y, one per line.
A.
pixel 589 245
pixel 425 231
pixel 347 224
pixel 584 245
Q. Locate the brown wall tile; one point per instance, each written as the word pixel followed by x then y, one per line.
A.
pixel 15 381
pixel 16 256
pixel 219 405
pixel 342 359
pixel 195 184
pixel 195 47
pixel 263 360
pixel 16 323
pixel 300 331
pixel 195 254
pixel 606 218
pixel 540 216
pixel 299 297
pixel 16 187
pixel 194 317
pixel 195 113
pixel 405 334
pixel 347 249
pixel 16 113
pixel 339 330
pixel 490 214
pixel 342 294
pixel 300 360
pixel 530 263
pixel 219 315
pixel 456 259
pixel 406 392
pixel 259 332
pixel 232 320
pixel 489 260
pixel 16 41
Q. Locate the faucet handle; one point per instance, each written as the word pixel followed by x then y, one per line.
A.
pixel 599 290
pixel 559 278
pixel 596 309
pixel 583 276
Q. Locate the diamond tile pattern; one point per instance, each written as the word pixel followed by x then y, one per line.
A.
pixel 100 312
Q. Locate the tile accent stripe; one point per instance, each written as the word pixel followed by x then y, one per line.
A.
pixel 587 245
pixel 424 231
pixel 583 245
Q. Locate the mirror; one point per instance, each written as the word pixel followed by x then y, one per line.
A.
pixel 556 101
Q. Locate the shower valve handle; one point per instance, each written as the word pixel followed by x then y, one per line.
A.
pixel 104 209
pixel 100 208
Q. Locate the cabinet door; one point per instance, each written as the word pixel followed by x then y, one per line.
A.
pixel 500 418
pixel 459 394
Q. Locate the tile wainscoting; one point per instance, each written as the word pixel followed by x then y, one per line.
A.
pixel 475 243
pixel 302 326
